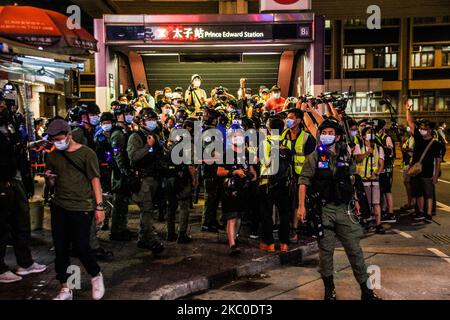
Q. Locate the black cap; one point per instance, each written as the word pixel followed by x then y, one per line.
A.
pixel 57 126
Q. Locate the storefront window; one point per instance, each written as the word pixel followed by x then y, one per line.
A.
pixel 423 56
pixel 375 105
pixel 416 102
pixel 446 56
pixel 443 104
pixel 360 103
pixel 385 57
pixel 428 103
pixel 355 58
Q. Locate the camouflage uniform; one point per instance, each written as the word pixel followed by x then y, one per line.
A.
pixel 146 160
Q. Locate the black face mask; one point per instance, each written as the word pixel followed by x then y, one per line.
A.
pixel 130 97
pixel 4 117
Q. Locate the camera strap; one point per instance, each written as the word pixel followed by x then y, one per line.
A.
pixel 196 96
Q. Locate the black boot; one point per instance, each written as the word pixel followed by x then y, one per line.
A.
pixel 184 238
pixel 172 237
pixel 157 247
pixel 330 291
pixel 368 294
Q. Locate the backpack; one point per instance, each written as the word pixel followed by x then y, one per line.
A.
pixel 284 173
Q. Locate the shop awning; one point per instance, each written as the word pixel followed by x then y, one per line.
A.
pixel 44 29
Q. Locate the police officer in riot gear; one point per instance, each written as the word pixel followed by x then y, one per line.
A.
pixel 212 185
pixel 327 176
pixel 90 120
pixel 74 117
pixel 145 153
pixel 103 148
pixel 121 171
pixel 14 209
pixel 180 179
pixel 180 116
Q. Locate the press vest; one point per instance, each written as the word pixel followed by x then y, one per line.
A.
pixel 298 149
pixel 363 167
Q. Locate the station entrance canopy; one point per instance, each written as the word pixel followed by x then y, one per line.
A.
pixel 151 30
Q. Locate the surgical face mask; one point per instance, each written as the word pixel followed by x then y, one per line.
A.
pixel 353 133
pixel 151 125
pixel 61 145
pixel 248 96
pixel 94 120
pixel 238 141
pixel 140 92
pixel 196 83
pixel 423 132
pixel 289 123
pixel 327 139
pixel 230 109
pixel 370 137
pixel 107 127
pixel 276 95
pixel 168 95
pixel 129 118
pixel 408 129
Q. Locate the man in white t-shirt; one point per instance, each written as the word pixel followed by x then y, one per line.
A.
pixel 369 163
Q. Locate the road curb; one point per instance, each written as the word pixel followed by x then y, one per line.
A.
pixel 184 288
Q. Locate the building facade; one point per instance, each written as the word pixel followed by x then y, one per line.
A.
pixel 408 57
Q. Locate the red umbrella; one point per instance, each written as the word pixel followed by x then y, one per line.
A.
pixel 43 28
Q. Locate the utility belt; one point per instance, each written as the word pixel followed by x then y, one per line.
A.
pixel 144 173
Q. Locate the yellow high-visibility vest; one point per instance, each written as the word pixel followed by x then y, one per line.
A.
pixel 266 168
pixel 298 149
pixel 363 167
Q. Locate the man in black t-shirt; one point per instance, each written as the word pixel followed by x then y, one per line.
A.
pixel 422 184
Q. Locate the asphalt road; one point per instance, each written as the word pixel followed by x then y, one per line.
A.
pixel 411 265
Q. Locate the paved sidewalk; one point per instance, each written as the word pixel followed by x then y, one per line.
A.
pixel 136 274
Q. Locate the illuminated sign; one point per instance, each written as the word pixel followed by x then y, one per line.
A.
pixel 284 5
pixel 304 31
pixel 205 33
